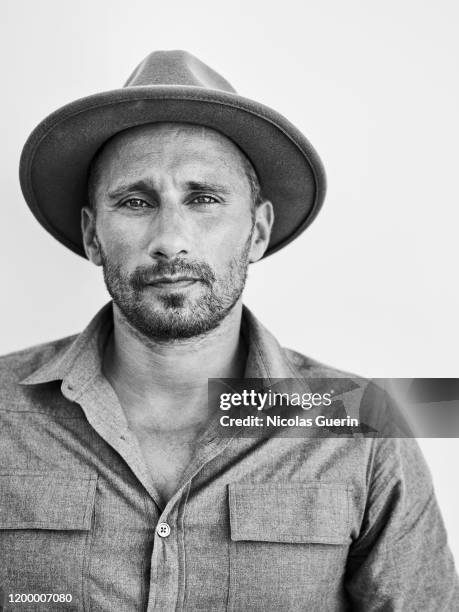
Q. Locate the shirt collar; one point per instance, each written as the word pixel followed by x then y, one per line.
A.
pixel 265 358
pixel 81 359
pixel 79 362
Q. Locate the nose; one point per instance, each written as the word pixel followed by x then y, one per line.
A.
pixel 170 233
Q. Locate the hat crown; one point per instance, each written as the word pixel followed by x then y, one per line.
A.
pixel 176 68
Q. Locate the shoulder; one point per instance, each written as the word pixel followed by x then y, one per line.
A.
pixel 372 401
pixel 16 366
pixel 343 381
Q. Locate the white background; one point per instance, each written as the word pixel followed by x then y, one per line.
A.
pixel 371 287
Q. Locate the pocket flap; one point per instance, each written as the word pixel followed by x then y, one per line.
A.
pixel 46 500
pixel 304 512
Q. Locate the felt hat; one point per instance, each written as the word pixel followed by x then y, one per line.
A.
pixel 172 86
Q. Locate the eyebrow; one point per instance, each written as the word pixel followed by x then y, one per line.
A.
pixel 142 185
pixel 207 186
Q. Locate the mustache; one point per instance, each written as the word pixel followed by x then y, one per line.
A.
pixel 145 275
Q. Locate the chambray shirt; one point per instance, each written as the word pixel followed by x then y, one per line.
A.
pixel 271 524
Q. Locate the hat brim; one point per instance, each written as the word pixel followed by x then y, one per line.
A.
pixel 56 157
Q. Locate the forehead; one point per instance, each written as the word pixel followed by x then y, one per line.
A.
pixel 172 148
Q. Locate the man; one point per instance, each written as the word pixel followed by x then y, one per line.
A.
pixel 117 490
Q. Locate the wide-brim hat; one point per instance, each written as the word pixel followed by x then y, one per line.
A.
pixel 168 86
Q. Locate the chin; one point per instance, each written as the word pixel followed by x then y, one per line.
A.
pixel 170 328
pixel 179 320
pixel 175 301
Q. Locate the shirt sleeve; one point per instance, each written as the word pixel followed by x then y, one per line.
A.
pixel 401 560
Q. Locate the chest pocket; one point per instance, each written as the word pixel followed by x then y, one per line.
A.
pixel 45 522
pixel 288 546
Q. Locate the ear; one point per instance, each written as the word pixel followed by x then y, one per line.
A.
pixel 88 230
pixel 264 219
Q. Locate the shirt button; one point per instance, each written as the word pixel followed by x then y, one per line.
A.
pixel 163 530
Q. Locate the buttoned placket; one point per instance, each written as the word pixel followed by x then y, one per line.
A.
pixel 167 587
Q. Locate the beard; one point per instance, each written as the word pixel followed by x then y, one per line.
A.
pixel 176 315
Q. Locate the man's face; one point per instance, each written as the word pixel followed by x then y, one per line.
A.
pixel 173 227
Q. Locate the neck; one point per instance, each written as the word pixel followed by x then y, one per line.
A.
pixel 166 377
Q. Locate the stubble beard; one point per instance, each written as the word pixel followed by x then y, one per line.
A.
pixel 174 316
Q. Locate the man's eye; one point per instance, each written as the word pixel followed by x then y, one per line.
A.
pixel 135 203
pixel 204 199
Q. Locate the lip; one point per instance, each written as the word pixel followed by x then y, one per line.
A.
pixel 173 283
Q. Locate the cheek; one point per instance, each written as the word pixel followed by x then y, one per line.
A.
pixel 230 232
pixel 121 241
pixel 225 246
